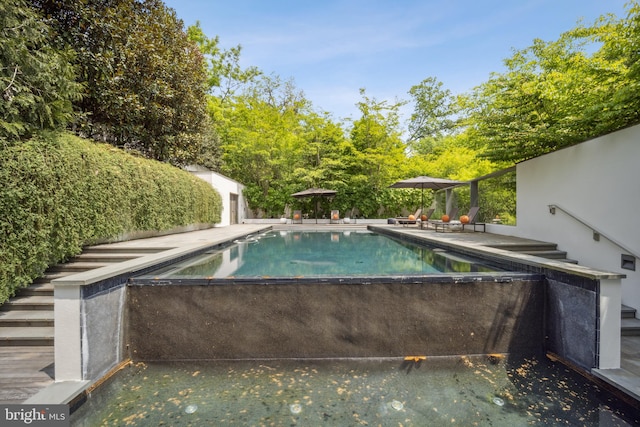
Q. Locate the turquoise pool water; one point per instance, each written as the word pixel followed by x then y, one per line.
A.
pixel 459 391
pixel 320 253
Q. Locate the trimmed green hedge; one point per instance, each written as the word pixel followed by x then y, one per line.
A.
pixel 59 193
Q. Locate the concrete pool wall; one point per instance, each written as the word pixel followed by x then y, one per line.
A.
pixel 102 320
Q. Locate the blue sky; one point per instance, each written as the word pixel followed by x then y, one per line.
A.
pixel 332 48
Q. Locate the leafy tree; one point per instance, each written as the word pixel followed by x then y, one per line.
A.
pixel 225 76
pixel 261 136
pixel 275 144
pixel 145 80
pixel 433 114
pixel 621 52
pixel 379 157
pixel 555 94
pixel 37 82
pixel 329 158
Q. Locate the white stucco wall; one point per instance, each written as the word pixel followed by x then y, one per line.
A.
pixel 599 182
pixel 225 186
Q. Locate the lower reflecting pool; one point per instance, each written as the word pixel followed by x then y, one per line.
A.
pixel 465 391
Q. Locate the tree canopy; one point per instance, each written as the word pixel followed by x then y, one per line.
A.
pixel 37 82
pixel 136 78
pixel 552 94
pixel 558 93
pixel 145 81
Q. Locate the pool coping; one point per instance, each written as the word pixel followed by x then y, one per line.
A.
pixel 141 263
pixel 431 238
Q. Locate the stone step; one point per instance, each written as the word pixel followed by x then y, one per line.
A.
pixel 28 302
pixel 26 336
pixel 628 312
pixel 26 318
pixel 631 327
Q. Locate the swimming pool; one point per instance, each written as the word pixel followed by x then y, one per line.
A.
pixel 328 294
pixel 232 324
pixel 315 253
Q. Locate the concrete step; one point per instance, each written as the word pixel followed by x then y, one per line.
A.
pixel 28 302
pixel 628 312
pixel 106 257
pixel 77 267
pixel 549 254
pixel 555 255
pixel 123 249
pixel 540 249
pixel 49 276
pixel 26 318
pixel 522 247
pixel 38 289
pixel 631 327
pixel 26 336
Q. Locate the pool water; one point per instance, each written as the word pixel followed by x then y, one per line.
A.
pixel 320 253
pixel 465 391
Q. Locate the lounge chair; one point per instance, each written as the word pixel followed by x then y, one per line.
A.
pixel 406 220
pixel 425 222
pixel 297 217
pixel 349 217
pixel 473 212
pixel 335 217
pixel 437 223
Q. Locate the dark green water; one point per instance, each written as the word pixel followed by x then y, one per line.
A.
pixel 463 391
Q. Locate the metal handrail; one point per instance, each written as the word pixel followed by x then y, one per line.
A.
pixel 552 211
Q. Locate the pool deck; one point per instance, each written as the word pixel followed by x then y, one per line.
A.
pixel 26 373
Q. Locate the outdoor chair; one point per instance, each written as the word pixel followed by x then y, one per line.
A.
pixel 335 217
pixel 425 222
pixel 297 217
pixel 406 220
pixel 350 217
pixel 473 212
pixel 438 223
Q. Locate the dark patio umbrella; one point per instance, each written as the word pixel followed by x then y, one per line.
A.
pixel 428 182
pixel 315 193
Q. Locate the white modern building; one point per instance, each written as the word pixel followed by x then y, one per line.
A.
pixel 584 198
pixel 234 206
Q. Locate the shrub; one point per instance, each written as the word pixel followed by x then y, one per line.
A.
pixel 60 192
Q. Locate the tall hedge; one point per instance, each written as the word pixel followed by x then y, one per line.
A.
pixel 59 193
